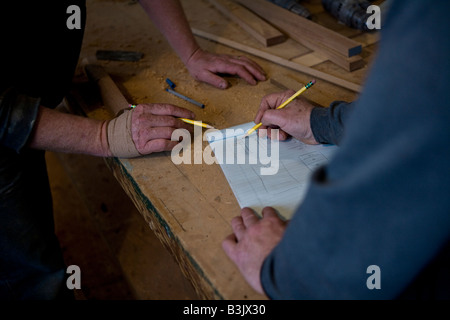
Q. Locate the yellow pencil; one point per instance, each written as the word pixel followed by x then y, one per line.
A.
pixel 194 122
pixel 284 104
pixel 197 123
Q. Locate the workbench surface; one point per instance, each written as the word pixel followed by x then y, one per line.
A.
pixel 190 207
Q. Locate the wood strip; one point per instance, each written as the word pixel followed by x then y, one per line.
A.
pixel 263 32
pixel 286 83
pixel 349 64
pixel 314 58
pixel 310 59
pixel 302 29
pixel 367 38
pixel 112 98
pixel 286 63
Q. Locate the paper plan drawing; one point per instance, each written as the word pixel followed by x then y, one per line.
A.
pixel 262 172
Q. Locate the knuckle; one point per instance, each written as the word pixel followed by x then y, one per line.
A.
pixel 168 132
pixel 140 108
pixel 174 123
pixel 161 145
pixel 271 221
pixel 289 92
pixel 170 108
pixel 235 220
pixel 139 144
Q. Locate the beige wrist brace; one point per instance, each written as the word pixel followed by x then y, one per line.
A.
pixel 120 138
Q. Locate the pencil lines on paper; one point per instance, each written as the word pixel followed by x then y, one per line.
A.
pixel 285 188
pixel 313 160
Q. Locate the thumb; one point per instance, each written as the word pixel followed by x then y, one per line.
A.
pixel 229 246
pixel 272 118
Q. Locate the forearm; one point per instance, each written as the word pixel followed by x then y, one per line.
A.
pixel 60 132
pixel 169 18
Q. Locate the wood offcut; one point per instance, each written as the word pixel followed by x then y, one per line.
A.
pixel 278 60
pixel 263 32
pixel 337 48
pixel 112 98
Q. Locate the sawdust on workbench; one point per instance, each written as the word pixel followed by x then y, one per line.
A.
pixel 121 26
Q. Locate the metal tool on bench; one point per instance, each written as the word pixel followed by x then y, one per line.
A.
pixel 118 55
pixel 293 6
pixel 352 13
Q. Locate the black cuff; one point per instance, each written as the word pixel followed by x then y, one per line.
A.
pixel 18 114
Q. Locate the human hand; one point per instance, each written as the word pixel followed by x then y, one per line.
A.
pixel 205 66
pixel 146 129
pixel 293 120
pixel 153 125
pixel 252 241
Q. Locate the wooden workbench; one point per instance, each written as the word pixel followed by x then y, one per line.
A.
pixel 190 207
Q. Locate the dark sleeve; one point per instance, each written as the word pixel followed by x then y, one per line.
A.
pixel 383 199
pixel 18 113
pixel 38 57
pixel 327 124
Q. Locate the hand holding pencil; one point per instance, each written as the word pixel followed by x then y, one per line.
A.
pixel 186 120
pixel 291 121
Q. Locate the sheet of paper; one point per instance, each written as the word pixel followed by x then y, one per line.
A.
pixel 263 172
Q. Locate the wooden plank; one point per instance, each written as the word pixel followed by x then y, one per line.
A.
pixel 263 32
pixel 191 230
pixel 303 30
pixel 169 230
pixel 310 59
pixel 350 64
pixel 204 16
pixel 286 63
pixel 111 95
pixel 314 58
pixel 367 38
pixel 184 228
pixel 295 32
pixel 286 83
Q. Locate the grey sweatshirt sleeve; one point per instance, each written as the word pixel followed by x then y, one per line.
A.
pixel 328 124
pixel 382 200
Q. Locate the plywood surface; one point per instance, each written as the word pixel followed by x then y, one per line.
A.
pixel 190 207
